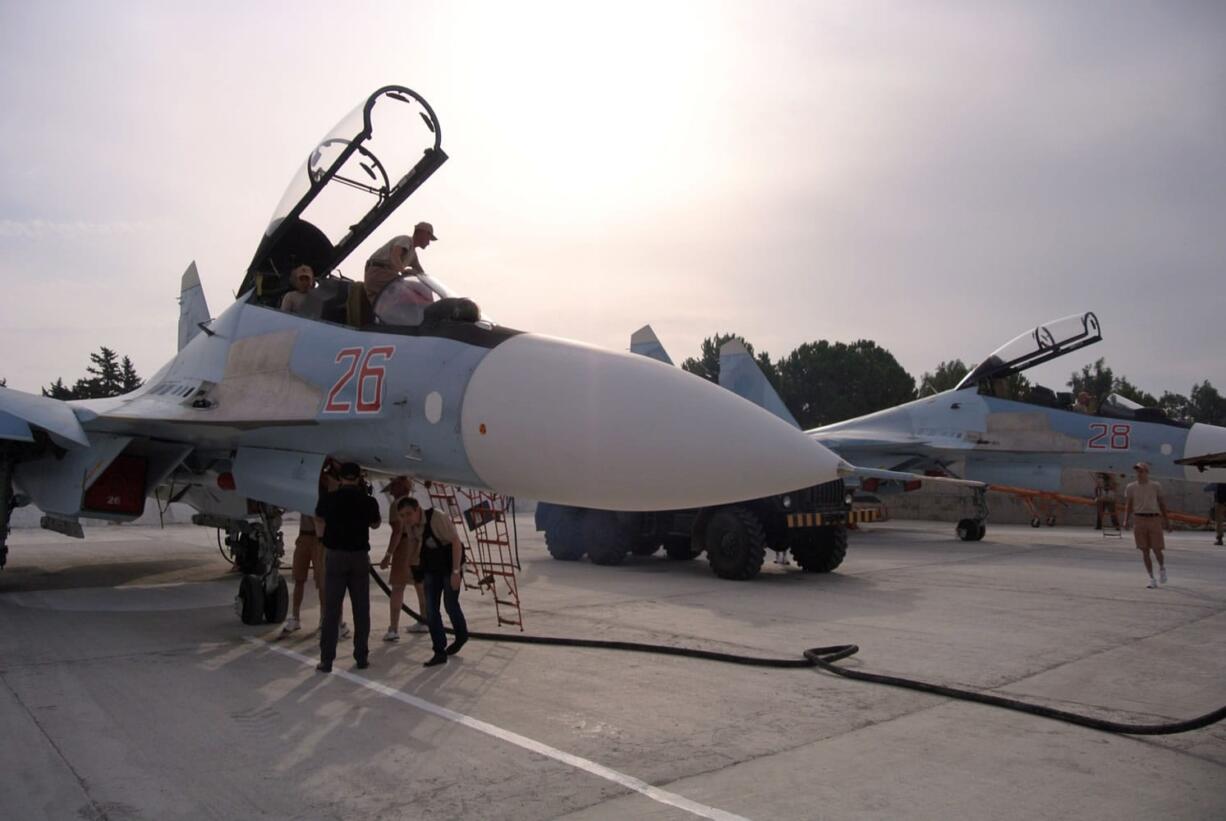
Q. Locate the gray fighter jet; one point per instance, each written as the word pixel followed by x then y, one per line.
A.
pixel 974 433
pixel 239 423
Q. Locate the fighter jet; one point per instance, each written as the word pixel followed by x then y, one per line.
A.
pixel 240 422
pixel 974 432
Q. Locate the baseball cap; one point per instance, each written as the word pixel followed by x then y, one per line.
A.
pixel 1141 466
pixel 427 227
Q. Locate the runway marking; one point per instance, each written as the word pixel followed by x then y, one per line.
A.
pixel 588 766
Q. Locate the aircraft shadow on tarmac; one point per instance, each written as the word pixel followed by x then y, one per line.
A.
pixel 18 578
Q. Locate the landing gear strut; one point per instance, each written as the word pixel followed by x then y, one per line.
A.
pixel 257 547
pixel 973 529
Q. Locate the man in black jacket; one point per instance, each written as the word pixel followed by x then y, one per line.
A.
pixel 348 513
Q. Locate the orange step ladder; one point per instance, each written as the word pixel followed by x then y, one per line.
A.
pixel 493 554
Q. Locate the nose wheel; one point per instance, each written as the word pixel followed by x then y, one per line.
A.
pixel 257 548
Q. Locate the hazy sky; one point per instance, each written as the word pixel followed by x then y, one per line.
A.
pixel 934 176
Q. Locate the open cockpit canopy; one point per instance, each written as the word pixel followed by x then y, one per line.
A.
pixel 1041 344
pixel 348 185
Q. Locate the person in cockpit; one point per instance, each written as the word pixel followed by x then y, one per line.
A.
pixel 396 258
pixel 302 280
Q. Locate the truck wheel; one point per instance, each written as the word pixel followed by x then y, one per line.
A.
pixel 604 538
pixel 679 548
pixel 645 546
pixel 563 538
pixel 736 544
pixel 821 550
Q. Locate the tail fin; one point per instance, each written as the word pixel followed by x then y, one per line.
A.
pixel 193 307
pixel 644 342
pixel 741 375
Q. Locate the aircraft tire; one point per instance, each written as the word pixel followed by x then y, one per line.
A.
pixel 981 532
pixel 1051 521
pixel 276 606
pixel 563 538
pixel 736 544
pixel 1035 522
pixel 250 599
pixel 968 530
pixel 822 550
pixel 604 538
pixel 679 549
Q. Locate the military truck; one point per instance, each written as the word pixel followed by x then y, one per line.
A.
pixel 811 523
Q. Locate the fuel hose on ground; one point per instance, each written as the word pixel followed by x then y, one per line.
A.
pixel 824 658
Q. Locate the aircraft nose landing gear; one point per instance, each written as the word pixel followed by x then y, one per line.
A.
pixel 257 547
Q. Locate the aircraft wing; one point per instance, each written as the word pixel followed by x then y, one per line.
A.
pixel 849 470
pixel 1204 461
pixel 21 413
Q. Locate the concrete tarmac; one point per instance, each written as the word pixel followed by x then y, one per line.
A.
pixel 129 689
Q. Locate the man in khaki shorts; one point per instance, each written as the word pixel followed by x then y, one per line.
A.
pixel 1145 501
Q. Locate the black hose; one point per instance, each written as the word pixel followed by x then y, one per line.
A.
pixel 825 658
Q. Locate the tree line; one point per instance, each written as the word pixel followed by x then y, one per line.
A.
pixel 825 382
pixel 106 375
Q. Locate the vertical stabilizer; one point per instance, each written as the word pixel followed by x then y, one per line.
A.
pixel 740 374
pixel 193 308
pixel 644 342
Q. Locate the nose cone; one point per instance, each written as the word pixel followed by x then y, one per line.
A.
pixel 563 422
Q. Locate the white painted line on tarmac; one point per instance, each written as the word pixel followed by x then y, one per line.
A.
pixel 599 770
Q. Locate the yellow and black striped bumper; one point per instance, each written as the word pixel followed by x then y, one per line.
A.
pixel 817 519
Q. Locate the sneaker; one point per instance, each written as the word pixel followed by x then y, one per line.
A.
pixel 291 625
pixel 345 631
pixel 1162 575
pixel 1152 583
pixel 435 660
pixel 418 627
pixel 391 635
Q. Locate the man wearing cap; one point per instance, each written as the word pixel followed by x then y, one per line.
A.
pixel 348 513
pixel 396 258
pixel 301 280
pixel 1145 501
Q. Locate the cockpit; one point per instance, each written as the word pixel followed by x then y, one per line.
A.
pixel 348 185
pixel 994 375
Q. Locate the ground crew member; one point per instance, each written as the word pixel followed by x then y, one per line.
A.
pixel 442 557
pixel 396 258
pixel 349 513
pixel 1219 511
pixel 309 559
pixel 404 558
pixel 1144 500
pixel 1105 490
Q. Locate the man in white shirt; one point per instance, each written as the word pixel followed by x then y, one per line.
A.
pixel 1144 500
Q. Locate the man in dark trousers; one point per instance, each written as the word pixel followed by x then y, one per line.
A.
pixel 348 514
pixel 442 556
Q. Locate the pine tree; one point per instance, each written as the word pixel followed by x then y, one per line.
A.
pixel 58 390
pixel 129 381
